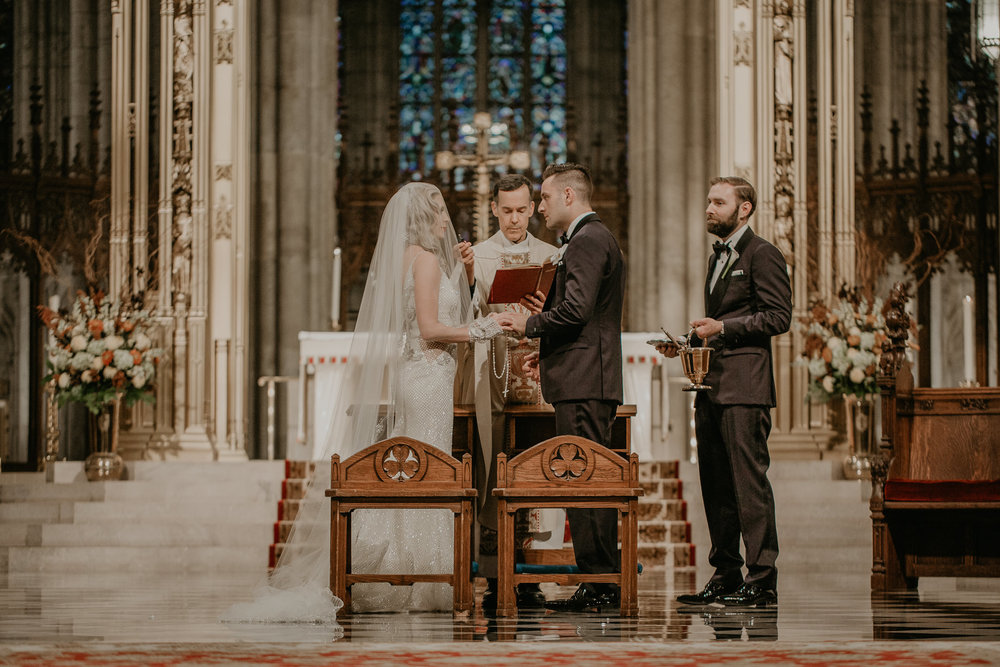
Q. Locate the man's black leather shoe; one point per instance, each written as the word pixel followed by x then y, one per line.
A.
pixel 527 598
pixel 587 599
pixel 530 597
pixel 711 593
pixel 750 595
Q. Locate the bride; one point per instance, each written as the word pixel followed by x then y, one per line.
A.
pixel 399 381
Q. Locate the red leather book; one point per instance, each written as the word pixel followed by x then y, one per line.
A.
pixel 511 284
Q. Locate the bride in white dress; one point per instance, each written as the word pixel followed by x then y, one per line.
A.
pixel 399 381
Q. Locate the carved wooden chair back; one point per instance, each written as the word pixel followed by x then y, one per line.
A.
pixel 401 473
pixel 567 471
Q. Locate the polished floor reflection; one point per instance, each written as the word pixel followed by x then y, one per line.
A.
pixel 50 608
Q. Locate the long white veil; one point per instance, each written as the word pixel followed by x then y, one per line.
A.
pixel 297 591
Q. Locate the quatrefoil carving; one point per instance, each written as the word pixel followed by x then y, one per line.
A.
pixel 400 463
pixel 567 462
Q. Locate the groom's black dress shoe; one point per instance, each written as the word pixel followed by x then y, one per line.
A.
pixel 587 599
pixel 750 595
pixel 528 597
pixel 711 593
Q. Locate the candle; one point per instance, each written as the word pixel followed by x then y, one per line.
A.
pixel 54 301
pixel 969 339
pixel 335 296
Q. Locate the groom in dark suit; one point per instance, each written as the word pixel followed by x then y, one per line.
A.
pixel 748 300
pixel 580 358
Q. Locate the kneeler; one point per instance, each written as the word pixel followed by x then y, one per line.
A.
pixel 567 471
pixel 401 473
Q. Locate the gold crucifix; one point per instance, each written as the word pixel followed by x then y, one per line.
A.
pixel 482 161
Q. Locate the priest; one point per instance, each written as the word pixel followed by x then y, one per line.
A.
pixel 499 378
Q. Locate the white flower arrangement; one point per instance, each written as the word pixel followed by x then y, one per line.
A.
pixel 101 350
pixel 842 346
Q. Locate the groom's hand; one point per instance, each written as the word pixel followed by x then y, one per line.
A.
pixel 516 322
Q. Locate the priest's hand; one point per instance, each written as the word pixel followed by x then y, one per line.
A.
pixel 706 327
pixel 463 249
pixel 516 322
pixel 534 302
pixel 530 366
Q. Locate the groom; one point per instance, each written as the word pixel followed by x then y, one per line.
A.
pixel 580 360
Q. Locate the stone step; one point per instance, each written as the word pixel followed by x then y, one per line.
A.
pixel 62 472
pixel 145 535
pixel 179 511
pixel 35 512
pixel 21 478
pixel 145 491
pixel 157 559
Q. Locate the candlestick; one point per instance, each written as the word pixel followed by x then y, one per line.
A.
pixel 969 346
pixel 335 296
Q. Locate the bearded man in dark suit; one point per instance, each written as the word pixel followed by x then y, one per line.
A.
pixel 580 357
pixel 748 300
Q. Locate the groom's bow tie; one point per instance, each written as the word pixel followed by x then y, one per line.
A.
pixel 563 239
pixel 719 247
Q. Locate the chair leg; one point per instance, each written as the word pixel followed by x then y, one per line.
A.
pixel 340 548
pixel 629 561
pixel 461 593
pixel 506 599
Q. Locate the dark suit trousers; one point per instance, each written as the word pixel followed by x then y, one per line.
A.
pixel 594 531
pixel 732 464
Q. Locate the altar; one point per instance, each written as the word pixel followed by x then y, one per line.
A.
pixel 323 359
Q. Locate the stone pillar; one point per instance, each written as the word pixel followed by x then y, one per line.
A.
pixel 672 155
pixel 295 227
pixel 781 95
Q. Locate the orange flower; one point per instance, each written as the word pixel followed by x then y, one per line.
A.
pixel 126 326
pixel 136 357
pixel 118 381
pixel 854 341
pixel 96 327
pixel 107 357
pixel 827 355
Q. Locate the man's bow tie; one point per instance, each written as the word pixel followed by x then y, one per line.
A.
pixel 563 239
pixel 719 247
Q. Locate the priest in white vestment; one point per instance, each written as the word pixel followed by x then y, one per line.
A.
pixel 499 378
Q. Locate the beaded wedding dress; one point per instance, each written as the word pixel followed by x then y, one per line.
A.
pixel 412 541
pixel 395 383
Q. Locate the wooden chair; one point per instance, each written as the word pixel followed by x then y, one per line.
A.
pixel 936 480
pixel 567 471
pixel 401 473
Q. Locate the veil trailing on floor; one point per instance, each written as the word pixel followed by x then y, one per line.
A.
pixel 297 591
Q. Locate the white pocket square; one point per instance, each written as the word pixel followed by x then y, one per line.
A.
pixel 738 272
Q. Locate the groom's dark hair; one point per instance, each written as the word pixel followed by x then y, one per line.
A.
pixel 575 175
pixel 509 183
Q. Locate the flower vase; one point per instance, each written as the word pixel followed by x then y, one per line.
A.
pixel 859 421
pixel 104 464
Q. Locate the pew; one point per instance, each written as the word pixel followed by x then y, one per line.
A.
pixel 935 502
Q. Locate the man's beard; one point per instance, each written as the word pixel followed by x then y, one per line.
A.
pixel 723 228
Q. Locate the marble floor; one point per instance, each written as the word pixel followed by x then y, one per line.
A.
pixel 48 611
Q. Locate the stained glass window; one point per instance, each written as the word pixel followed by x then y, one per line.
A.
pixel 523 86
pixel 971 81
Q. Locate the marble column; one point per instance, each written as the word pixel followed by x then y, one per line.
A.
pixel 295 219
pixel 671 156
